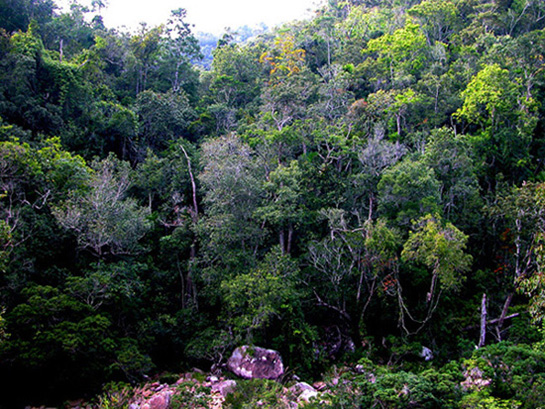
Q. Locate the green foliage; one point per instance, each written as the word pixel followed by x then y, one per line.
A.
pixel 231 177
pixel 163 117
pixel 440 248
pixel 437 18
pixel 130 360
pixel 399 56
pixel 516 373
pixel 317 191
pixel 407 191
pixel 380 386
pixel 116 395
pixel 255 392
pixel 3 334
pixel 190 395
pixel 487 96
pixel 450 158
pixel 481 400
pixel 253 299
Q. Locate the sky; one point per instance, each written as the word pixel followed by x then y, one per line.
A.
pixel 210 16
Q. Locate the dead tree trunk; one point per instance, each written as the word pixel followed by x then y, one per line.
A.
pixel 503 316
pixel 190 287
pixel 482 336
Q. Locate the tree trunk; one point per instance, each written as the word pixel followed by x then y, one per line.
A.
pixel 290 238
pixel 482 336
pixel 503 315
pixel 190 287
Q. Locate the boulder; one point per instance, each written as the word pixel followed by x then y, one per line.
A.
pixel 254 362
pixel 320 385
pixel 303 391
pixel 225 387
pixel 299 387
pixel 307 395
pixel 158 401
pixel 426 353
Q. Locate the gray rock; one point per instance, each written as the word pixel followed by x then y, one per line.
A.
pixel 304 391
pixel 225 387
pixel 426 353
pixel 307 395
pixel 300 387
pixel 254 362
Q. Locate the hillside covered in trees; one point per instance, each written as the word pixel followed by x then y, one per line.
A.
pixel 347 189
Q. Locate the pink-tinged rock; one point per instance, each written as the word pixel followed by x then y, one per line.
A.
pixel 159 401
pixel 254 362
pixel 320 386
pixel 225 387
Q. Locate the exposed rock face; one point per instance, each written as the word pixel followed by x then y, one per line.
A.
pixel 254 362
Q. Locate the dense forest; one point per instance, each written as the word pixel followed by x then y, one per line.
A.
pixel 352 188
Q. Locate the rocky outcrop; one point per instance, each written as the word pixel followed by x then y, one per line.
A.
pixel 254 362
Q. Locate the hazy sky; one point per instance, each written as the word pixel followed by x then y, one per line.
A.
pixel 207 15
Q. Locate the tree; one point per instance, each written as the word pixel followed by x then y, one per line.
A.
pixel 116 130
pixel 441 248
pixel 232 179
pixel 284 59
pixel 449 155
pixel 233 85
pixel 397 58
pixel 505 118
pixel 16 15
pixel 270 291
pixel 408 191
pixel 33 178
pixel 104 219
pixel 162 118
pixel 375 157
pixel 284 208
pixel 532 283
pixel 520 216
pixel 179 49
pixel 353 264
pixel 145 47
pixel 437 18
